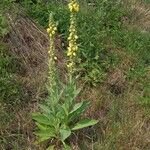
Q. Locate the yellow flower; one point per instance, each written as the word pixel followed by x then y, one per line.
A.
pixel 55 58
pixel 69 38
pixel 52 29
pixel 76 48
pixel 73 6
pixel 48 30
pixel 53 32
pixel 70 44
pixel 74 54
pixel 76 37
pixel 76 7
pixel 70 65
pixel 70 6
pixel 69 48
pixel 69 54
pixel 50 35
pixel 55 28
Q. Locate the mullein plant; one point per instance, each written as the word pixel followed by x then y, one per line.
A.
pixel 59 115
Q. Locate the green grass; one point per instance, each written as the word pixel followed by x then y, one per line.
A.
pixel 9 88
pixel 99 33
pixel 145 1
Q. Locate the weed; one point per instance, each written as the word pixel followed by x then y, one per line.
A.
pixel 60 114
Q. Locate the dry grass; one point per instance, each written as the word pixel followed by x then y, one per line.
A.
pixel 29 43
pixel 140 15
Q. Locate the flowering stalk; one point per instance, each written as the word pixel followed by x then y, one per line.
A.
pixel 51 30
pixel 72 39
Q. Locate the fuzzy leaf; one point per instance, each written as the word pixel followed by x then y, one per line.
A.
pixel 78 109
pixel 44 135
pixel 40 118
pixel 77 106
pixel 65 133
pixel 84 123
pixel 41 126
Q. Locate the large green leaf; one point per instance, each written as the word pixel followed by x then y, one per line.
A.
pixel 84 123
pixel 78 109
pixel 41 118
pixel 65 132
pixel 41 126
pixel 45 134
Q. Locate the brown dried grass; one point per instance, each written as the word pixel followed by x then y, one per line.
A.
pixel 30 42
pixel 140 15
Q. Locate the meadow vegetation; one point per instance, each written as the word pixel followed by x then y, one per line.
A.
pixel 105 60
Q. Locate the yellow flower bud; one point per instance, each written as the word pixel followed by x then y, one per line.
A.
pixel 48 30
pixel 69 49
pixel 50 35
pixel 76 48
pixel 70 44
pixel 76 37
pixel 69 38
pixel 74 54
pixel 70 65
pixel 55 28
pixel 55 58
pixel 69 54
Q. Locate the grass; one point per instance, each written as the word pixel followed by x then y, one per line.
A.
pixel 10 92
pixel 114 51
